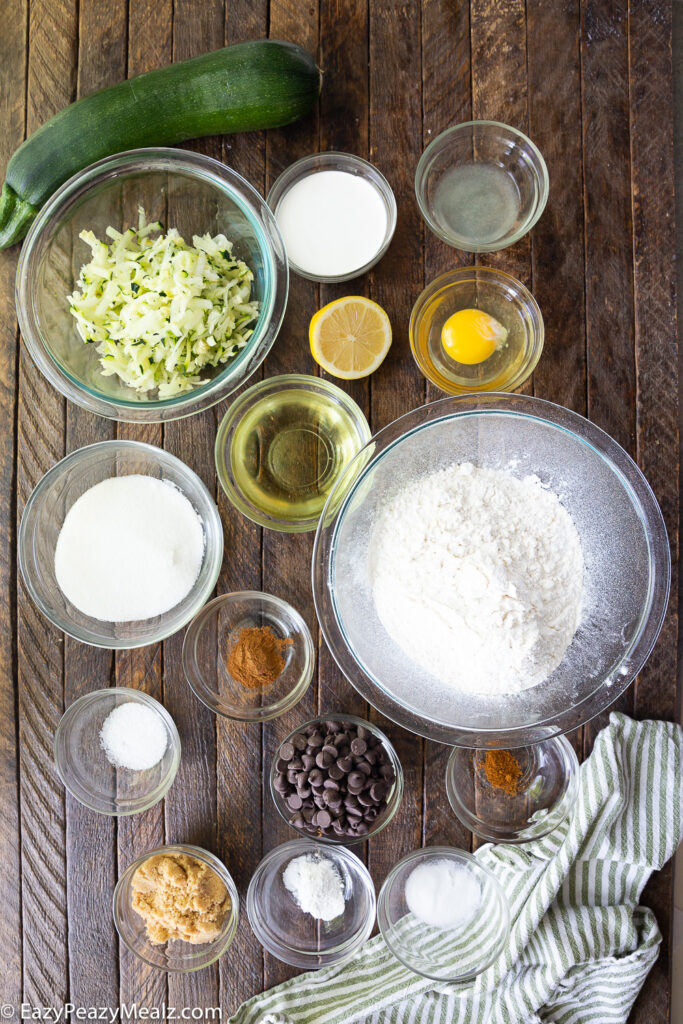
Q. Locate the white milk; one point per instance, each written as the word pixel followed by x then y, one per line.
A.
pixel 332 223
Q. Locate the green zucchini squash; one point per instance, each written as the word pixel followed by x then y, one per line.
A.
pixel 260 84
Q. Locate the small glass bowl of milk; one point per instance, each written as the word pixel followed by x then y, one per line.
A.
pixel 336 214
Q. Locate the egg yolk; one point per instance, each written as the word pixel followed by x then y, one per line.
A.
pixel 471 336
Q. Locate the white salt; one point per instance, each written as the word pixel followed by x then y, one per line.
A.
pixel 133 736
pixel 332 223
pixel 130 548
pixel 442 893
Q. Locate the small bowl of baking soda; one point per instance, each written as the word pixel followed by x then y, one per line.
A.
pixel 117 750
pixel 443 914
pixel 311 905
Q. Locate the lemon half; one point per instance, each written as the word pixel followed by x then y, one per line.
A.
pixel 350 337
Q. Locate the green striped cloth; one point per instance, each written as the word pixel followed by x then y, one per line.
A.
pixel 580 947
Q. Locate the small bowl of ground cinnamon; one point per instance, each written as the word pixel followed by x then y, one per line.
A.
pixel 248 656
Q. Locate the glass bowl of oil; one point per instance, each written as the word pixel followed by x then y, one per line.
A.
pixel 504 300
pixel 283 445
pixel 481 185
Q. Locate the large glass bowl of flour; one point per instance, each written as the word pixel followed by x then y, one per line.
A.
pixel 624 585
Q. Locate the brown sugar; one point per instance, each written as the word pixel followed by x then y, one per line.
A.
pixel 180 897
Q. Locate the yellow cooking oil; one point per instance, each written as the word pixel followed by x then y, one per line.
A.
pixel 288 451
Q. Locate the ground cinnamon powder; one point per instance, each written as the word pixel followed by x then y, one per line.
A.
pixel 256 657
pixel 502 770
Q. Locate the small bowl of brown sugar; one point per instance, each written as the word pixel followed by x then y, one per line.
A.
pixel 176 908
pixel 248 656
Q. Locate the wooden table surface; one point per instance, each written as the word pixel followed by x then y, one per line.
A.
pixel 591 83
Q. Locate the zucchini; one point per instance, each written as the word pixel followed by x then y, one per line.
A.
pixel 260 84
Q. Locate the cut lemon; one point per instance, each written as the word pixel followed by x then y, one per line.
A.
pixel 350 337
pixel 471 336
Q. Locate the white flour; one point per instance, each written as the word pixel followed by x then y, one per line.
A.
pixel 478 576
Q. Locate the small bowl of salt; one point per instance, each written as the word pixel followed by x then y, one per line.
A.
pixel 311 905
pixel 117 750
pixel 443 914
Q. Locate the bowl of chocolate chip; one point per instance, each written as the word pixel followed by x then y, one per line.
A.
pixel 337 778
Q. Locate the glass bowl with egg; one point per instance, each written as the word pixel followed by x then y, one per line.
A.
pixel 130 547
pixel 180 190
pixel 175 876
pixel 122 767
pixel 476 329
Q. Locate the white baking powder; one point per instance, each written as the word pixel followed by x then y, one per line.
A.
pixel 478 576
pixel 316 885
pixel 130 548
pixel 442 893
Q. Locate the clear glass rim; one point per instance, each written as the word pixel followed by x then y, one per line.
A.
pixel 241 405
pixel 461 275
pixel 452 853
pixel 392 806
pixel 213 554
pixel 630 476
pixel 201 689
pixel 316 162
pixel 76 707
pixel 291 954
pixel 554 818
pixel 254 208
pixel 519 137
pixel 230 927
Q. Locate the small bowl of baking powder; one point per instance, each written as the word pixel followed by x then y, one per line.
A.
pixel 310 905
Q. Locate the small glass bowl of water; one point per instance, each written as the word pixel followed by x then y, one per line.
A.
pixel 481 185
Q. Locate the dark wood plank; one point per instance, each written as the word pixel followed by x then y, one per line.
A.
pixel 446 101
pixel 395 146
pixel 91 838
pixel 150 27
pixel 191 802
pixel 41 432
pixel 239 745
pixel 657 388
pixel 13 71
pixel 287 557
pixel 608 232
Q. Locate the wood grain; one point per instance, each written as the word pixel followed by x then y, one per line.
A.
pixel 13 68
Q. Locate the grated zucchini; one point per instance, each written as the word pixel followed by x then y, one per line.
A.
pixel 160 311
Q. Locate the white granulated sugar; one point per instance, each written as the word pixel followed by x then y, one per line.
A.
pixel 130 548
pixel 133 736
pixel 316 885
pixel 442 893
pixel 478 576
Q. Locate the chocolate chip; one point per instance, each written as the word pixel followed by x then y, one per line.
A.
pixel 287 751
pixel 281 765
pixel 345 764
pixel 308 761
pixel 335 772
pixel 299 741
pixel 315 740
pixel 358 746
pixel 323 819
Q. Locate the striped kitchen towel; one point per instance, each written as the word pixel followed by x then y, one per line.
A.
pixel 580 947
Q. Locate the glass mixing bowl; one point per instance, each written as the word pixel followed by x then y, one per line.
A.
pixel 44 516
pixel 625 546
pixel 188 191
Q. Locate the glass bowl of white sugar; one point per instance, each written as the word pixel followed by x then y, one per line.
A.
pixel 120 544
pixel 310 905
pixel 443 914
pixel 336 214
pixel 117 750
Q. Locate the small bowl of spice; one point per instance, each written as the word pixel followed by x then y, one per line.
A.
pixel 513 796
pixel 248 656
pixel 311 906
pixel 176 908
pixel 117 750
pixel 443 914
pixel 337 778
